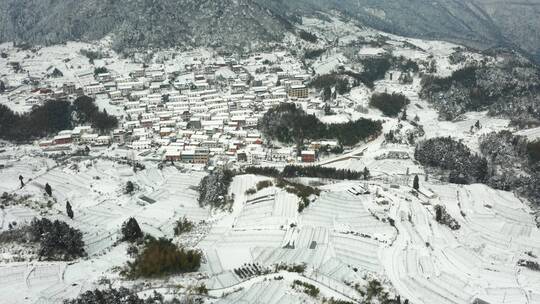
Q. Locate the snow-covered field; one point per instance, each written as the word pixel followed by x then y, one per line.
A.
pixel 343 238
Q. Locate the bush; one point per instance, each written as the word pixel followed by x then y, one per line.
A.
pixel 264 184
pixel 308 289
pixel 183 226
pixel 389 104
pixel 130 187
pixel 444 218
pixel 251 191
pixel 58 241
pixel 298 268
pixel 160 257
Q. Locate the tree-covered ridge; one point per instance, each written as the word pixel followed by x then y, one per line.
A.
pixel 453 157
pixel 142 23
pixel 289 124
pixel 51 117
pixel 510 87
pixel 514 163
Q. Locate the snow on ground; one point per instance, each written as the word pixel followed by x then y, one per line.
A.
pixel 532 134
pixel 353 231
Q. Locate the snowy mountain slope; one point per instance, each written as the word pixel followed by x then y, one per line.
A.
pixel 477 23
pixel 141 23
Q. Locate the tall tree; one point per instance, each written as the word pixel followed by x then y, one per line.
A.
pixel 131 230
pixel 366 173
pixel 48 189
pixel 416 184
pixel 69 210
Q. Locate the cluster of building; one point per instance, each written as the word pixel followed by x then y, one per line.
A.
pixel 191 115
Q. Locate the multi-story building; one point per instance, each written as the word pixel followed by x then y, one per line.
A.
pixel 298 91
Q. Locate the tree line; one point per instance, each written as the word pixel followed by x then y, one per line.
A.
pixel 51 117
pixel 292 171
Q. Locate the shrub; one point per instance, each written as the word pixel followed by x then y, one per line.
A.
pixel 389 104
pixel 130 187
pixel 251 191
pixel 264 184
pixel 444 218
pixel 298 268
pixel 532 265
pixel 307 288
pixel 160 257
pixel 183 226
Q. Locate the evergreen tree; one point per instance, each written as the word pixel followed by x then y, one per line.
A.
pixel 366 173
pixel 48 189
pixel 131 231
pixel 416 184
pixel 69 210
pixel 2 87
pixel 21 180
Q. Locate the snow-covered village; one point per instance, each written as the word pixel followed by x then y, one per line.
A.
pixel 343 165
